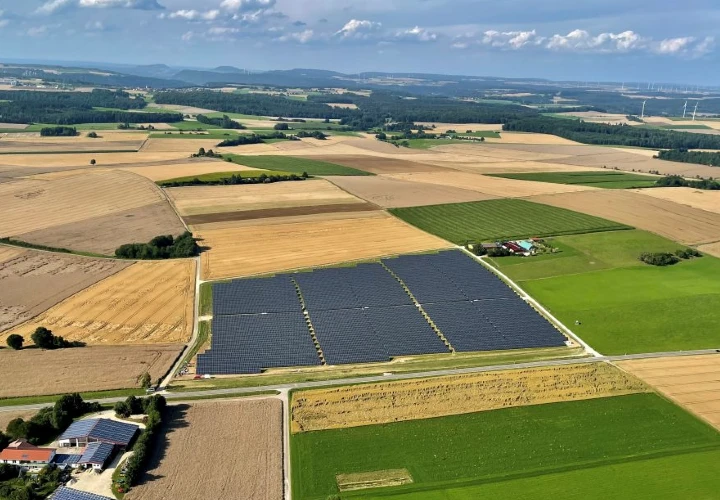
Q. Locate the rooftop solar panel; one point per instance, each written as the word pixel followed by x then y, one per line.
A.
pixel 96 453
pixel 65 493
pixel 79 429
pixel 112 431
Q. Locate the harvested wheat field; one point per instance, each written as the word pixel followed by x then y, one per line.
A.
pixel 7 416
pixel 494 153
pixel 516 167
pixel 185 168
pixel 441 128
pixel 393 193
pixel 691 381
pixel 244 249
pixel 378 164
pixel 196 200
pixel 34 372
pixel 146 303
pixel 31 282
pixel 82 160
pixel 711 248
pixel 529 138
pixel 695 198
pixel 31 143
pixel 491 186
pixel 247 434
pixel 187 146
pixel 87 211
pixel 385 402
pixel 677 222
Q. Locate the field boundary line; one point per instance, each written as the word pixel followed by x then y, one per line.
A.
pixel 525 296
pixel 196 330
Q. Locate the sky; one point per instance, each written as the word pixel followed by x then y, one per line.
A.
pixel 588 40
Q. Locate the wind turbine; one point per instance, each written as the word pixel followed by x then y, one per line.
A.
pixel 642 115
pixel 685 109
pixel 694 112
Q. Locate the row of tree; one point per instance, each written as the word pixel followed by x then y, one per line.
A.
pixel 236 179
pixel 161 247
pixel 224 122
pixel 43 339
pixel 62 131
pixel 242 140
pixel 620 135
pixel 668 259
pixel 679 181
pixel 685 156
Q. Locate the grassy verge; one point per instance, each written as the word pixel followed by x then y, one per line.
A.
pixel 606 180
pixel 497 219
pixel 402 365
pixel 512 443
pixel 204 329
pixel 225 396
pixel 87 396
pixel 294 165
pixel 206 296
pixel 24 244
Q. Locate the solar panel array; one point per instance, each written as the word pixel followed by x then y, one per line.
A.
pixel 251 343
pixel 363 314
pixel 96 453
pixel 112 431
pixel 65 493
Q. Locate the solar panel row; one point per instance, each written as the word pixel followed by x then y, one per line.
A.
pixel 254 296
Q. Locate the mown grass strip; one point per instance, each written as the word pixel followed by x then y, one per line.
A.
pixel 500 219
pixel 294 164
pixel 87 396
pixel 605 180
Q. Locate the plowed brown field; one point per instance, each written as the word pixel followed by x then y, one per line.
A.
pixel 273 245
pixel 147 303
pixel 391 193
pixel 691 381
pixel 247 434
pixel 32 281
pixel 674 221
pixel 33 372
pixel 386 402
pixel 46 209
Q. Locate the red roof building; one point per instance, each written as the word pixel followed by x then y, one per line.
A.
pixel 24 454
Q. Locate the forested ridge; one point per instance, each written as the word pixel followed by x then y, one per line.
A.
pixel 620 135
pixel 685 156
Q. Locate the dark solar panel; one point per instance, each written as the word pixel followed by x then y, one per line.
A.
pixel 79 429
pixel 120 433
pixel 375 287
pixel 252 296
pixel 325 289
pixel 520 323
pixel 465 327
pixel 346 336
pixel 471 277
pixel 96 453
pixel 65 493
pixel 404 331
pixel 426 283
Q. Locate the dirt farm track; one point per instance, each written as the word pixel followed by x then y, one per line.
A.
pixel 246 435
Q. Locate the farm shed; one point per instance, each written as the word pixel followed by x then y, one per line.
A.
pixel 96 455
pixel 84 432
pixel 64 493
pixel 24 454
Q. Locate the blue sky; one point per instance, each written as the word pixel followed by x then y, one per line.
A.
pixel 621 40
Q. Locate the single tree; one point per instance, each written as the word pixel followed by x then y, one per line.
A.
pixel 93 135
pixel 93 162
pixel 145 380
pixel 15 341
pixel 122 409
pixel 43 338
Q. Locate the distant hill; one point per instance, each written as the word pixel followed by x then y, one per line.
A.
pixel 227 69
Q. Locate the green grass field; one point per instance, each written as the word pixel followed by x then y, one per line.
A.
pixel 606 180
pixel 686 475
pixel 431 143
pixel 217 176
pixel 624 305
pixel 492 134
pixel 513 443
pixel 496 219
pixel 294 165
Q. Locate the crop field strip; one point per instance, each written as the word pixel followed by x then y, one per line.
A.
pixel 295 165
pixel 516 442
pixel 146 303
pixel 386 402
pixel 366 314
pixel 496 219
pixel 606 180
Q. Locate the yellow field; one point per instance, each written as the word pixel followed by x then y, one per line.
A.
pixel 528 138
pixel 385 402
pixel 247 248
pixel 178 145
pixel 146 303
pixel 212 199
pixel 170 171
pixel 494 186
pixel 691 381
pixel 696 198
pixel 29 205
pixel 83 159
pixel 711 248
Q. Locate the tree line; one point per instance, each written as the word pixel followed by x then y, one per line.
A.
pixel 685 156
pixel 161 247
pixel 242 140
pixel 620 135
pixel 61 131
pixel 43 339
pixel 236 179
pixel 680 181
pixel 224 122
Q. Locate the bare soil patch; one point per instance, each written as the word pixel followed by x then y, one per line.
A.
pixel 279 212
pixel 691 381
pixel 68 209
pixel 247 434
pixel 695 198
pixel 244 248
pixel 14 126
pixel 108 141
pixel 378 164
pixel 391 193
pixel 146 303
pixel 385 402
pixel 31 282
pixel 674 221
pixel 34 372
pixel 198 200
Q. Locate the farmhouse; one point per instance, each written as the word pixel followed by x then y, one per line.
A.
pixel 26 455
pixel 94 430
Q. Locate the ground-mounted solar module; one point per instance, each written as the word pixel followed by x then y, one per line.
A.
pixel 347 336
pixel 404 331
pixel 425 281
pixel 254 296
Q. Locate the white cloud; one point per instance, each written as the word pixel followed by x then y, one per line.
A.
pixel 674 45
pixel 416 34
pixel 53 6
pixel 194 15
pixel 687 45
pixel 122 4
pixel 187 36
pixel 358 29
pixel 705 46
pixel 299 37
pixel 581 40
pixel 4 22
pixel 247 5
pixel 37 31
pixel 514 40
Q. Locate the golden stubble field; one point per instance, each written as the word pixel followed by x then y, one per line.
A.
pixel 32 281
pixel 385 402
pixel 691 381
pixel 280 244
pixel 237 444
pixel 696 198
pixel 197 200
pixel 687 225
pixel 34 372
pixel 107 141
pixel 146 303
